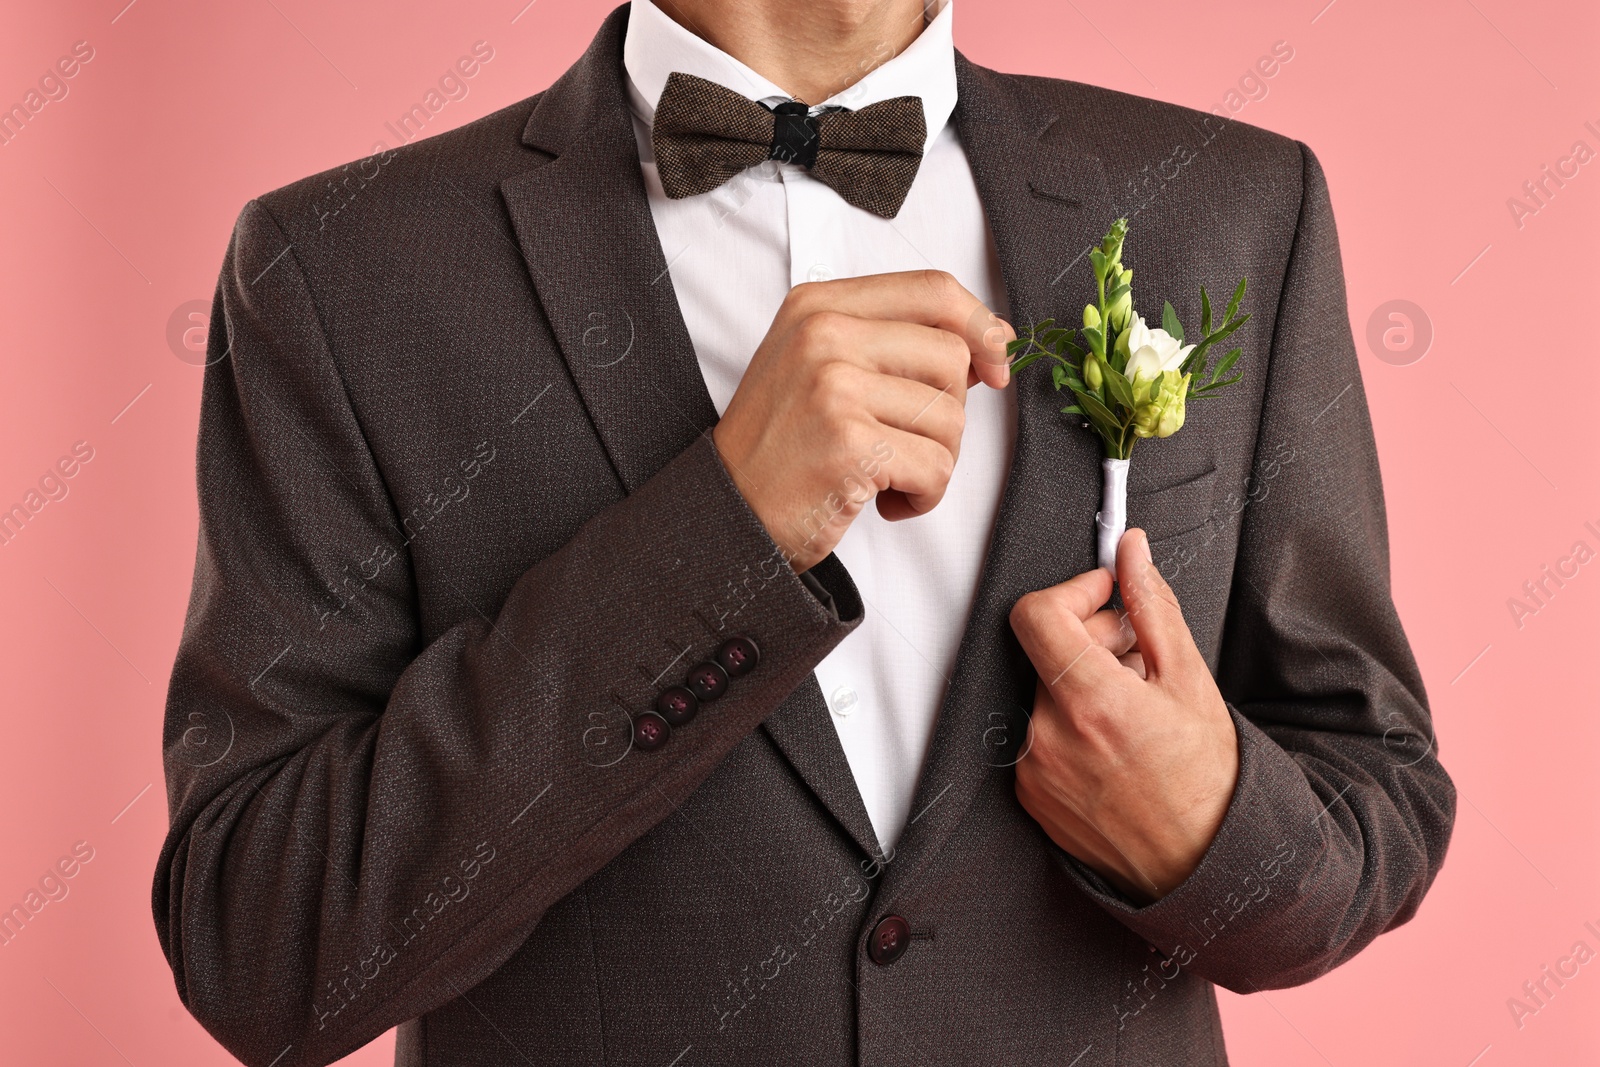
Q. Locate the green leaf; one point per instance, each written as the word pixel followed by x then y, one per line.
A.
pixel 1052 338
pixel 1022 361
pixel 1233 305
pixel 1097 259
pixel 1205 312
pixel 1072 409
pixel 1227 328
pixel 1058 374
pixel 1098 414
pixel 1120 388
pixel 1226 365
pixel 1045 325
pixel 1117 359
pixel 1211 387
pixel 1013 347
pixel 1170 323
pixel 1096 339
pixel 1196 363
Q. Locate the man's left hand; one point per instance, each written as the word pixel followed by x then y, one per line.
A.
pixel 1131 756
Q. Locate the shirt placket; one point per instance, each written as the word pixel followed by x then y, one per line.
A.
pixel 814 249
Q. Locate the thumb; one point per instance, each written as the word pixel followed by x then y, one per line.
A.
pixel 1152 606
pixel 987 337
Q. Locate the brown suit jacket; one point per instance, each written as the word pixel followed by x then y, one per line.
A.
pixel 461 517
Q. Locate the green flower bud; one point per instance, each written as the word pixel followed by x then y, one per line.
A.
pixel 1111 247
pixel 1091 317
pixel 1120 309
pixel 1121 347
pixel 1093 377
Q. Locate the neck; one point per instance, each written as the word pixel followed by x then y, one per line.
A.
pixel 813 48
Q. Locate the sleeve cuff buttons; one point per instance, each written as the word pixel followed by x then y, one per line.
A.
pixel 678 704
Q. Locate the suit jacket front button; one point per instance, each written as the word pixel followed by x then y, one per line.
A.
pixel 650 731
pixel 738 656
pixel 889 940
pixel 708 681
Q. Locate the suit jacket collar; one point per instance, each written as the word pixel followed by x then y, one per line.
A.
pixel 583 223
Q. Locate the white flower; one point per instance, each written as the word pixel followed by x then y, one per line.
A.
pixel 1152 351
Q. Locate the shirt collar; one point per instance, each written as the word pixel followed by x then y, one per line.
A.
pixel 655 46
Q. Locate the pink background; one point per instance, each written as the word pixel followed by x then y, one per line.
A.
pixel 118 201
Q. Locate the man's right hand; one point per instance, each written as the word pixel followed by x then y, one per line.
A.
pixel 857 392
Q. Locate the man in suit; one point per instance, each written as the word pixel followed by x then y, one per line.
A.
pixel 638 620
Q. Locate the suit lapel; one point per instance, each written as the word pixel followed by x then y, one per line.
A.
pixel 1047 203
pixel 804 732
pixel 583 224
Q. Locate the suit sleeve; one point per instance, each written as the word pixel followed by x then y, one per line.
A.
pixel 1342 812
pixel 364 826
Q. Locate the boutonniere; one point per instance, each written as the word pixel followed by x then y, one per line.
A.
pixel 1128 380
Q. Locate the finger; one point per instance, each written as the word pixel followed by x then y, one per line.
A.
pixel 991 363
pixel 928 297
pixel 1050 624
pixel 907 405
pixel 908 350
pixel 919 472
pixel 1153 609
pixel 916 408
pixel 1134 661
pixel 1112 630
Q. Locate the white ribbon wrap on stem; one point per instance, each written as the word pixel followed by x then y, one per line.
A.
pixel 1112 519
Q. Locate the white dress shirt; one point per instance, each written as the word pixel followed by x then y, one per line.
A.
pixel 733 254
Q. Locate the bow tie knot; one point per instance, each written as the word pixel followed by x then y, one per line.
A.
pixel 704 134
pixel 794 134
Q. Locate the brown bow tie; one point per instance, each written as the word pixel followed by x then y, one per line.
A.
pixel 704 134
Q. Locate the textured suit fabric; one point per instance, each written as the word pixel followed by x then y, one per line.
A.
pixel 704 134
pixel 459 515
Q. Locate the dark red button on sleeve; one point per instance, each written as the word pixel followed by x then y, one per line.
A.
pixel 677 705
pixel 707 681
pixel 738 656
pixel 650 731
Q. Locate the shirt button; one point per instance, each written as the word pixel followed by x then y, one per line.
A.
pixel 843 701
pixel 707 682
pixel 738 656
pixel 819 272
pixel 650 731
pixel 889 940
pixel 677 705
